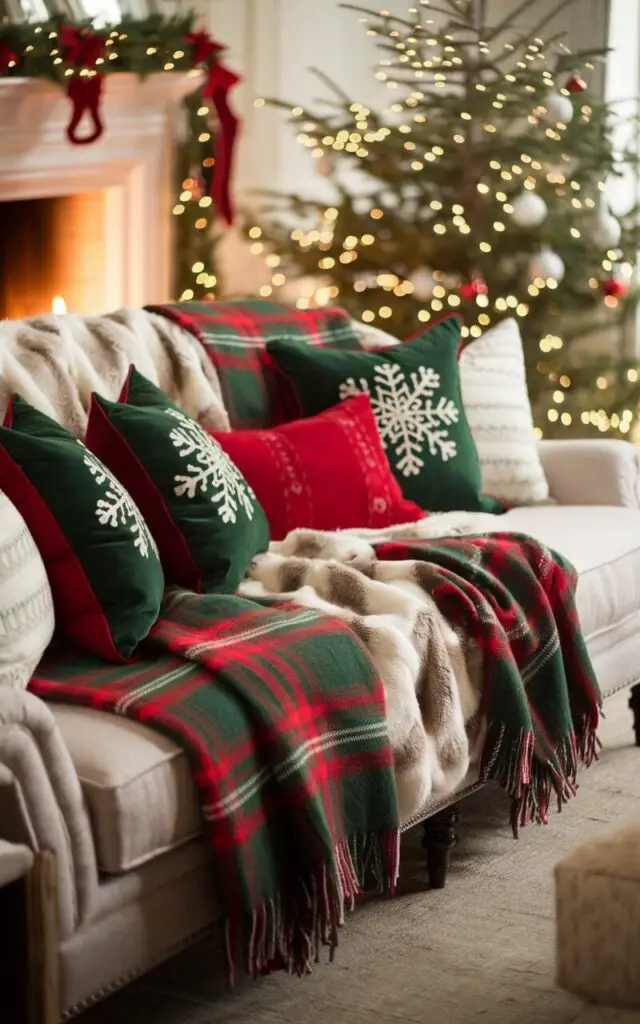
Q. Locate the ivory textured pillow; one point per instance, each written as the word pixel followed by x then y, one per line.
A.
pixel 26 604
pixel 494 392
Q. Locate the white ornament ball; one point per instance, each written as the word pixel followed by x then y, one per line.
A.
pixel 423 283
pixel 390 199
pixel 529 210
pixel 607 231
pixel 559 108
pixel 546 264
pixel 363 204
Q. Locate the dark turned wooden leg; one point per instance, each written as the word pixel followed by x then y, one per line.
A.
pixel 634 704
pixel 440 837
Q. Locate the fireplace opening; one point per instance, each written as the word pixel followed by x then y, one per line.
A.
pixel 52 255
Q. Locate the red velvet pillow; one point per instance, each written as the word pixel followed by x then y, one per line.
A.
pixel 328 472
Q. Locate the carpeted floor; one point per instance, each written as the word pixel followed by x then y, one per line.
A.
pixel 481 950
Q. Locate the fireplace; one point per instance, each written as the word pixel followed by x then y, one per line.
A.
pixel 88 224
pixel 52 249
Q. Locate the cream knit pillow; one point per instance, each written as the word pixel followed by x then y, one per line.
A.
pixel 496 401
pixel 26 605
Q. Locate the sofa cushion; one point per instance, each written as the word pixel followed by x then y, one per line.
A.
pixel 307 457
pixel 416 400
pixel 603 543
pixel 103 566
pixel 137 783
pixel 202 513
pixel 26 605
pixel 235 334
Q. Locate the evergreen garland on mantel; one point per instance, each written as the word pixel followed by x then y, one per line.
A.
pixel 77 56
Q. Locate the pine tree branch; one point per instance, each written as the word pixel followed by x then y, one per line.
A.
pixel 403 21
pixel 535 31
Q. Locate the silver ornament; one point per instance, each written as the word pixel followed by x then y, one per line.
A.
pixel 559 108
pixel 529 210
pixel 546 264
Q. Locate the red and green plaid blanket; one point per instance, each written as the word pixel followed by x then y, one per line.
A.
pixel 282 716
pixel 514 598
pixel 235 335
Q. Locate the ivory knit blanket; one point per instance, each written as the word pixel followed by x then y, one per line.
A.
pixel 55 362
pixel 476 641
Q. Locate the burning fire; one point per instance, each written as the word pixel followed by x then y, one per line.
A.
pixel 58 305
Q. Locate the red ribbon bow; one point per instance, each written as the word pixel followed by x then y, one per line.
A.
pixel 204 46
pixel 7 56
pixel 83 48
pixel 217 87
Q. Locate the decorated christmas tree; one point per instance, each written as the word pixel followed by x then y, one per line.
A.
pixel 482 189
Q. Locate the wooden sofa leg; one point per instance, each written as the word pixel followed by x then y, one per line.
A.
pixel 440 836
pixel 42 929
pixel 29 988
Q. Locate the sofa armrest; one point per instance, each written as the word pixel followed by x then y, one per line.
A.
pixel 41 801
pixel 592 472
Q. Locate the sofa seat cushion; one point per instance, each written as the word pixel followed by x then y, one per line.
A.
pixel 137 784
pixel 603 543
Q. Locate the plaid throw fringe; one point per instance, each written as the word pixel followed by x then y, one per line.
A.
pixel 235 335
pixel 282 717
pixel 514 598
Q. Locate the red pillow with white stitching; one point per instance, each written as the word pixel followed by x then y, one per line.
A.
pixel 327 472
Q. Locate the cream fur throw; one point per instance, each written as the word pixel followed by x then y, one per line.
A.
pixel 55 362
pixel 431 674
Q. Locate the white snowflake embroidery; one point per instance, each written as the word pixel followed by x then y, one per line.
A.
pixel 212 470
pixel 117 507
pixel 408 413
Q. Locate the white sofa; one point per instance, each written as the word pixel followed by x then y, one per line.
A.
pixel 114 800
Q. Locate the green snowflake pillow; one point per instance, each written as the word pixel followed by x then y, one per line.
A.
pixel 205 518
pixel 103 566
pixel 415 396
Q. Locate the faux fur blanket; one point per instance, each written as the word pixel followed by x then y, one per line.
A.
pixel 476 641
pixel 55 362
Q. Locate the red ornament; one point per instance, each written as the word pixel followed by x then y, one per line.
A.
pixel 470 289
pixel 614 288
pixel 204 47
pixel 8 59
pixel 576 84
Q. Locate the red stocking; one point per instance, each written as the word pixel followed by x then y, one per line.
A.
pixel 85 93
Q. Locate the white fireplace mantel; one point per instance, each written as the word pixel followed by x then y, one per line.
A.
pixel 132 162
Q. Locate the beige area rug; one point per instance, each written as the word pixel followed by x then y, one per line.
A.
pixel 482 950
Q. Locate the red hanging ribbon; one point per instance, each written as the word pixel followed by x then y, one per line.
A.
pixel 85 93
pixel 7 57
pixel 221 80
